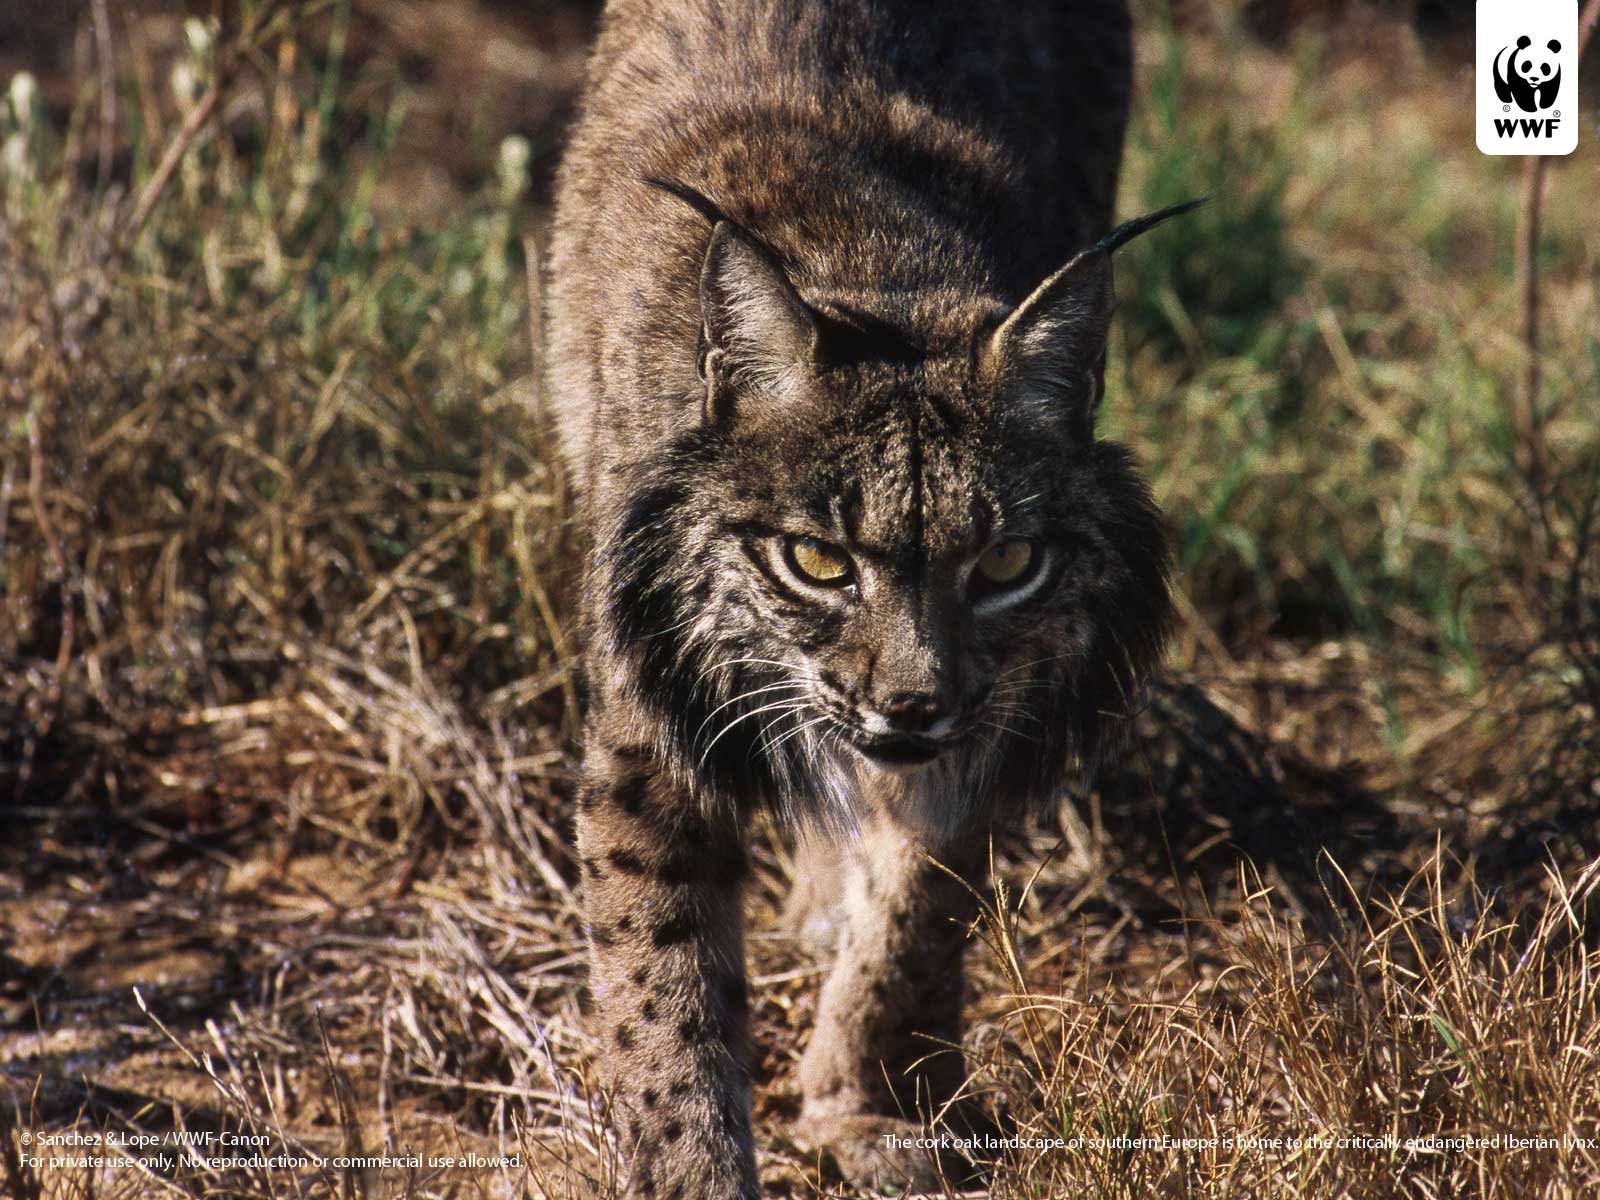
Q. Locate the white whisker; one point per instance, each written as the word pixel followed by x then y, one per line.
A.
pixel 1037 662
pixel 734 662
pixel 743 696
pixel 1014 710
pixel 791 705
pixel 1006 729
pixel 799 729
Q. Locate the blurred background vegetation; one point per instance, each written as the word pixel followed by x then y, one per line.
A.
pixel 286 708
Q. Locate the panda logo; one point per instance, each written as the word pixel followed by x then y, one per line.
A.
pixel 1533 81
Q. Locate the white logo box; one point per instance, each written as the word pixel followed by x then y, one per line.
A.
pixel 1527 91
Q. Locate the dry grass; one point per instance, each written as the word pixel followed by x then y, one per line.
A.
pixel 286 711
pixel 1400 1051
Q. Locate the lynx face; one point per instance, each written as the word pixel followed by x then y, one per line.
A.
pixel 948 583
pixel 908 583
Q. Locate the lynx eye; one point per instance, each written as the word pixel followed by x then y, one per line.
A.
pixel 1006 562
pixel 818 562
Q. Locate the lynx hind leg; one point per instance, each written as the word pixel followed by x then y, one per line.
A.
pixel 877 1064
pixel 661 893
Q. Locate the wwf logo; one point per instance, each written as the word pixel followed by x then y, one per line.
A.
pixel 1526 77
pixel 1530 79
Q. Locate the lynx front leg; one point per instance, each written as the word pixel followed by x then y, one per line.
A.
pixel 662 891
pixel 877 1059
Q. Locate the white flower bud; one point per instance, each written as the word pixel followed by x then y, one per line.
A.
pixel 201 33
pixel 23 91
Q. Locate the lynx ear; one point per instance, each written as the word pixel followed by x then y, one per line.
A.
pixel 759 337
pixel 1053 345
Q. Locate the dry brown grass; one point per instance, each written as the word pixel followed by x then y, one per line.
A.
pixel 286 709
pixel 1396 1052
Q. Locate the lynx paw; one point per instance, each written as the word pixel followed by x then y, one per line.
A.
pixel 883 1153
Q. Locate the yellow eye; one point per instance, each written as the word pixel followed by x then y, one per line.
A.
pixel 1006 562
pixel 819 562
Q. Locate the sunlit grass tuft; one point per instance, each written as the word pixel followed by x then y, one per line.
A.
pixel 1430 1036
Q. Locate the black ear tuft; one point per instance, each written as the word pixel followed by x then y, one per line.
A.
pixel 696 200
pixel 1128 230
pixel 1053 343
pixel 756 334
pixel 1555 46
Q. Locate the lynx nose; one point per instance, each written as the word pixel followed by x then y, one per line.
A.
pixel 912 712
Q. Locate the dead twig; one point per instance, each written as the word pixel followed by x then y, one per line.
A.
pixel 108 91
pixel 1527 412
pixel 58 556
pixel 1528 421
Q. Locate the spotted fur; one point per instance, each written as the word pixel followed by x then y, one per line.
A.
pixel 836 272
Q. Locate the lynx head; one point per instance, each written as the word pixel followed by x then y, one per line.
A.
pixel 887 551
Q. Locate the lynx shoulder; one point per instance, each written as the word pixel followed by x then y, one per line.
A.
pixel 830 290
